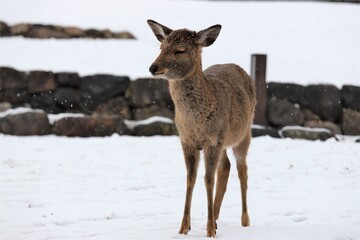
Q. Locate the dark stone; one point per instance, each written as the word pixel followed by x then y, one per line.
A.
pixel 67 79
pixel 41 81
pixel 153 110
pixel 72 126
pixel 113 107
pixel 20 29
pixel 323 100
pixel 30 123
pixel 357 140
pixel 258 132
pixel 88 126
pixel 147 91
pixel 155 128
pixel 4 106
pixel 52 31
pixel 4 29
pixel 123 35
pixel 45 31
pixel 291 92
pixel 309 115
pixel 93 33
pixel 334 129
pixel 13 86
pixel 306 133
pixel 107 33
pixel 281 113
pixel 350 97
pixel 67 98
pixel 350 123
pixel 46 102
pixel 100 88
pixel 74 32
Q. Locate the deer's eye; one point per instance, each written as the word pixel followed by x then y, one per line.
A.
pixel 180 51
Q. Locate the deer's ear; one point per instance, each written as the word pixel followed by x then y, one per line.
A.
pixel 208 36
pixel 160 31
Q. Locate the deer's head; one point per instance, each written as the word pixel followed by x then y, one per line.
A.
pixel 180 54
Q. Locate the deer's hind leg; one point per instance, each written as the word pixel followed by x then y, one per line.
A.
pixel 222 177
pixel 240 152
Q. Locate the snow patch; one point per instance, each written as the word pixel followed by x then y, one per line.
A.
pixel 19 110
pixel 131 124
pixel 52 117
pixel 307 129
pixel 56 117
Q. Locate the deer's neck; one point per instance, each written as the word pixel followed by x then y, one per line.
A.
pixel 189 93
pixel 193 82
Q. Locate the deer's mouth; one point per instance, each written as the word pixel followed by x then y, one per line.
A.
pixel 158 73
pixel 161 73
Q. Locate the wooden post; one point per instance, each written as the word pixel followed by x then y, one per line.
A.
pixel 258 73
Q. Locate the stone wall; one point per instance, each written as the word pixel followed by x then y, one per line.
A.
pixel 42 31
pixel 105 101
pixel 323 106
pixel 114 104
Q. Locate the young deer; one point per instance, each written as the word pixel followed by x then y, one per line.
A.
pixel 213 110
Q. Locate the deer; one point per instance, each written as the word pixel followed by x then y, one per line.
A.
pixel 214 110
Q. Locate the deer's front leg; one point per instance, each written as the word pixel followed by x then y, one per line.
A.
pixel 211 161
pixel 191 155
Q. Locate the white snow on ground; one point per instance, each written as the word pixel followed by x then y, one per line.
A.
pixel 134 188
pixel 305 42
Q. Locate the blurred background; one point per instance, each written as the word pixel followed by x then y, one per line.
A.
pixel 85 57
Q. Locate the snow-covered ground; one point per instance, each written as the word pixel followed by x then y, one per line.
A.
pixel 306 42
pixel 134 188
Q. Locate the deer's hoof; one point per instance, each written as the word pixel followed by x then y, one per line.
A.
pixel 245 220
pixel 211 229
pixel 211 232
pixel 184 229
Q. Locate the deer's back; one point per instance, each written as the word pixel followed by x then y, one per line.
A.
pixel 232 76
pixel 231 83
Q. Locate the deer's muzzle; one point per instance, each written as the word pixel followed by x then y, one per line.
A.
pixel 153 69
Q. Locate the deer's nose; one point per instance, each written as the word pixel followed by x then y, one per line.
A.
pixel 153 69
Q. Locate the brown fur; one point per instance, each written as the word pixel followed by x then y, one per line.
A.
pixel 213 110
